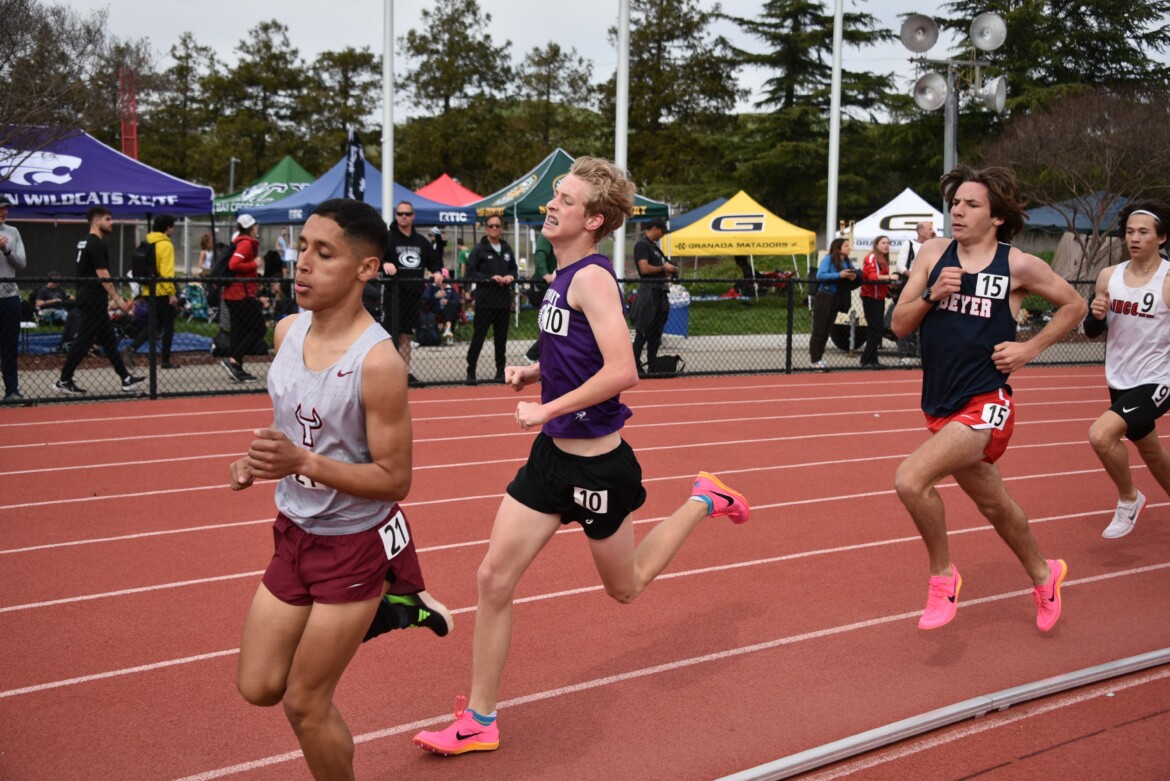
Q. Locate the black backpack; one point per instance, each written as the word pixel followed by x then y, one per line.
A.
pixel 220 263
pixel 144 263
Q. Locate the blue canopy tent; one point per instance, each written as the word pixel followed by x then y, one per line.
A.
pixel 686 218
pixel 69 175
pixel 1051 218
pixel 296 208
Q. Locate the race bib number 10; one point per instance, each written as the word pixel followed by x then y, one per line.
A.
pixel 554 320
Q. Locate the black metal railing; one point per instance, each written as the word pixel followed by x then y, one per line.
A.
pixel 715 326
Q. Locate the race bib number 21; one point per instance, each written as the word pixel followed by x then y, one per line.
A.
pixel 395 535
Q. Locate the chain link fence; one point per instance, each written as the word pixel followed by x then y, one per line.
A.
pixel 715 326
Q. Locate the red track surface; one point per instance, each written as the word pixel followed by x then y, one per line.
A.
pixel 127 567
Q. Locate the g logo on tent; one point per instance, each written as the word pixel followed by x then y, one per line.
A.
pixel 904 222
pixel 738 223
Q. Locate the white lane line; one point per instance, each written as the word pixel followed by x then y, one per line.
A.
pixel 644 672
pixel 449 465
pixel 478 497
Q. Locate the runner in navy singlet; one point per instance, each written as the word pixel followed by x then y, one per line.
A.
pixel 964 295
pixel 1133 302
pixel 580 470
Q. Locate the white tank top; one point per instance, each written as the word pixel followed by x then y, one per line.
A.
pixel 322 411
pixel 1137 350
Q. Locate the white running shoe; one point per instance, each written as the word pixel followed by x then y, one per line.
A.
pixel 1124 518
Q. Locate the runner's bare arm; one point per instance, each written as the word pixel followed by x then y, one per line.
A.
pixel 911 308
pixel 1032 274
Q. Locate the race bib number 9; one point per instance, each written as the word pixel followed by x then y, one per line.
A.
pixel 995 415
pixel 991 286
pixel 395 535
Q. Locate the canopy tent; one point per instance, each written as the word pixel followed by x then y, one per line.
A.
pixel 68 176
pixel 680 221
pixel 448 190
pixel 898 219
pixel 1050 219
pixel 741 227
pixel 296 208
pixel 285 178
pixel 523 200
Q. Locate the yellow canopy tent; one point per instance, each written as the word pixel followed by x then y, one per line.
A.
pixel 741 227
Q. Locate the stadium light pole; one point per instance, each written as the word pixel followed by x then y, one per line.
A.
pixel 388 112
pixel 932 91
pixel 621 122
pixel 232 174
pixel 834 124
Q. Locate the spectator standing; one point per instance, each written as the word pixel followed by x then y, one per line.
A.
pixel 206 254
pixel 408 260
pixel 162 301
pixel 875 268
pixel 834 270
pixel 1132 302
pixel 965 295
pixel 12 260
pixel 652 307
pixel 492 267
pixel 908 345
pixel 95 291
pixel 438 242
pixel 240 296
pixel 544 268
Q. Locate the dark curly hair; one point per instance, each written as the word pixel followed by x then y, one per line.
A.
pixel 1003 194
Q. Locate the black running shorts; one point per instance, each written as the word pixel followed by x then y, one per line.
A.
pixel 598 492
pixel 1139 407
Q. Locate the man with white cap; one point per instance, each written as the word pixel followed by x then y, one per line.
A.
pixel 247 316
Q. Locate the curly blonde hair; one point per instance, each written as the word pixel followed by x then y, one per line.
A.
pixel 611 192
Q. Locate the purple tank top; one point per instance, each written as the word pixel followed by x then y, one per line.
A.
pixel 569 356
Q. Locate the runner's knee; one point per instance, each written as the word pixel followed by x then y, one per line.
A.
pixel 255 690
pixel 495 585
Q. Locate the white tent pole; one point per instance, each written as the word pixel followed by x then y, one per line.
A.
pixel 755 287
pixel 388 112
pixel 621 122
pixel 515 244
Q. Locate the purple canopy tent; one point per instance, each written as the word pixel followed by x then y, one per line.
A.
pixel 68 176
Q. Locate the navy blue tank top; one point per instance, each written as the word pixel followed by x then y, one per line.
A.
pixel 959 335
pixel 569 356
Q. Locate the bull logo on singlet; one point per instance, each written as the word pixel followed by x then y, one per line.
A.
pixel 409 257
pixel 309 424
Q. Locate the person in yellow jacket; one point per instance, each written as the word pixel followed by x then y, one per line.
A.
pixel 162 299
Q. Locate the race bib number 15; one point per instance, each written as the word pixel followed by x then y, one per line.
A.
pixel 995 415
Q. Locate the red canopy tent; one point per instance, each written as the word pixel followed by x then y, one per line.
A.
pixel 447 190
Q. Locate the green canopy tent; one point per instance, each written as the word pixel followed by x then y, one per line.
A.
pixel 523 200
pixel 285 178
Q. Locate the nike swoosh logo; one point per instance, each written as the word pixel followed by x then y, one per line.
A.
pixel 460 736
pixel 724 497
pixel 340 373
pixel 1128 410
pixel 951 598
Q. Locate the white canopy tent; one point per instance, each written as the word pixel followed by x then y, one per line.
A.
pixel 897 219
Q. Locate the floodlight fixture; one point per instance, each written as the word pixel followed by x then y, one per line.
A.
pixel 919 33
pixel 993 93
pixel 930 91
pixel 988 31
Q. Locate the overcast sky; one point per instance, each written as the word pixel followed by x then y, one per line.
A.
pixel 316 26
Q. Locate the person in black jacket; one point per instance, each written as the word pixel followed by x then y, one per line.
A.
pixel 492 267
pixel 408 259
